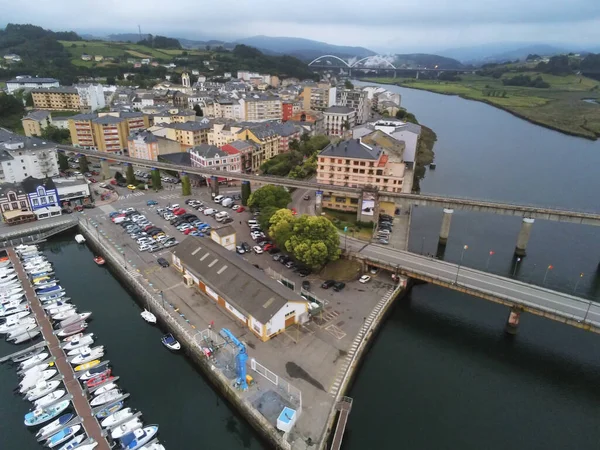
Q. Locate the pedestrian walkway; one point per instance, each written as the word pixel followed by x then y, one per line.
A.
pixel 133 194
pixel 169 196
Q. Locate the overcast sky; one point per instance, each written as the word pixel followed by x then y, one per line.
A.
pixel 383 25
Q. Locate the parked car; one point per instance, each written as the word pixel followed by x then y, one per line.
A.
pixel 151 203
pixel 170 243
pixel 327 284
pixel 240 209
pixel 239 249
pixel 245 246
pixel 337 287
pixel 274 251
pixel 257 249
pixel 306 285
pixel 364 279
pixel 131 187
pixel 210 212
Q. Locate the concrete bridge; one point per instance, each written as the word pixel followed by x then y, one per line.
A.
pixel 401 200
pixel 518 296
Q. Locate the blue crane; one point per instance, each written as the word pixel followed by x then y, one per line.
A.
pixel 240 358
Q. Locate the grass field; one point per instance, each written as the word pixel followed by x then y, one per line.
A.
pixel 119 50
pixel 560 107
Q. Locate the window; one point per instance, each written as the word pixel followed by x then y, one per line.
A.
pixel 35 202
pixel 23 205
pixel 12 197
pixel 51 199
pixel 14 205
pixel 41 191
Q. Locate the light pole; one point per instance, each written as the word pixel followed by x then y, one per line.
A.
pixel 487 264
pixel 462 255
pixel 577 283
pixel 548 269
pixel 587 312
pixel 162 297
pixel 516 266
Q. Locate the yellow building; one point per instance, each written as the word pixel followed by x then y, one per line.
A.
pixel 221 134
pixel 267 139
pixel 174 115
pixel 145 145
pixel 34 122
pixel 188 134
pixel 56 98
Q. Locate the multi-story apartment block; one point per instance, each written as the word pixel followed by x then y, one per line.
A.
pixel 228 108
pixel 261 108
pixel 146 145
pixel 174 115
pixel 188 134
pixel 56 98
pixel 287 110
pixel 287 132
pixel 224 133
pixel 318 98
pixel 338 119
pixel 105 132
pixel 91 97
pixel 407 132
pixel 266 137
pixel 214 158
pixel 30 83
pixel 358 100
pixel 245 149
pixel 36 121
pixel 22 157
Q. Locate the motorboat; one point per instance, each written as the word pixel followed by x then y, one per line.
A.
pixel 23 247
pixel 79 347
pixel 110 409
pixel 38 368
pixel 12 298
pixel 79 239
pixel 19 315
pixel 42 273
pixel 36 262
pixel 26 356
pixel 45 267
pixel 74 319
pixel 20 330
pixel 99 260
pixel 62 436
pixel 73 329
pixel 137 438
pixel 148 316
pixel 105 388
pixel 74 337
pixel 15 323
pixel 103 377
pixel 47 297
pixel 49 290
pixel 33 361
pixel 75 444
pixel 50 398
pixel 41 389
pixel 83 340
pixel 117 417
pixel 126 428
pixel 47 285
pixel 7 311
pixel 153 446
pixel 87 365
pixel 8 303
pixel 26 337
pixel 170 342
pixel 56 303
pixel 64 314
pixel 105 398
pixel 37 280
pixel 8 277
pixel 40 416
pixel 87 354
pixel 94 372
pixel 31 380
pixel 54 426
pixel 12 291
pixel 53 310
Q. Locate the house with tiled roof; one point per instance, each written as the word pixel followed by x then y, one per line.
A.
pixel 212 157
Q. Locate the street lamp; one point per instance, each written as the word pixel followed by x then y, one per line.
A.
pixel 548 269
pixel 462 255
pixel 487 265
pixel 516 265
pixel 162 297
pixel 578 280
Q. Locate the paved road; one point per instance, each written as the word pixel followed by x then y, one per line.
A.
pixel 529 295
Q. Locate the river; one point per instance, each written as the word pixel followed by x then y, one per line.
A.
pixel 441 373
pixel 164 386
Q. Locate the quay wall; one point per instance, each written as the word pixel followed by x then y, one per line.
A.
pixel 185 335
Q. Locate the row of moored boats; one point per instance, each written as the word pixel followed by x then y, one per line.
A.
pixel 53 413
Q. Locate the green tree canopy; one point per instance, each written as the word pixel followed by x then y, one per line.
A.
pixel 186 185
pixel 58 135
pixel 156 181
pixel 281 225
pixel 246 191
pixel 83 164
pixel 63 161
pixel 314 241
pixel 129 175
pixel 269 196
pixel 264 218
pixel 348 84
pixel 198 110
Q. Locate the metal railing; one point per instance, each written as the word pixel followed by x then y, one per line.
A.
pixel 36 234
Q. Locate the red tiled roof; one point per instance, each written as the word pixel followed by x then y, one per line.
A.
pixel 382 161
pixel 230 149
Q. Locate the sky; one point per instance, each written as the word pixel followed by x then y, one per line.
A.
pixel 384 25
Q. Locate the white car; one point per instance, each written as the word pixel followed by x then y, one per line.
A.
pixel 163 238
pixel 235 207
pixel 173 207
pixel 365 279
pixel 144 247
pixel 257 249
pixel 256 234
pixel 209 212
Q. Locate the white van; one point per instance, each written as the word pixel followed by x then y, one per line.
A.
pixel 252 222
pixel 218 198
pixel 227 202
pixel 220 216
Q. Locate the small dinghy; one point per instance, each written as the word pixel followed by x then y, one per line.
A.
pixel 33 361
pixel 62 436
pixel 148 316
pixel 41 389
pixel 26 356
pixel 107 397
pixel 117 417
pixel 87 354
pixel 111 409
pixel 40 416
pixel 53 426
pixel 79 239
pixel 99 260
pixel 50 398
pixel 87 365
pixel 170 342
pixel 136 439
pixel 101 378
pixel 126 428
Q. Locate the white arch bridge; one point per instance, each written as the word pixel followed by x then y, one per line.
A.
pixel 318 62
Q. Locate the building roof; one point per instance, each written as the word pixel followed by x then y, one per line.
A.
pixel 238 282
pixel 393 147
pixel 144 135
pixel 84 116
pixel 14 142
pixel 208 151
pixel 227 230
pixel 5 156
pixel 189 126
pixel 108 120
pixel 242 145
pixel 59 90
pixel 230 150
pixel 30 184
pixel 352 148
pixel 38 116
pixel 181 158
pixel 33 80
pixel 5 188
pixel 338 110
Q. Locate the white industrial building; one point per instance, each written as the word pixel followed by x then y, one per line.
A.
pixel 30 83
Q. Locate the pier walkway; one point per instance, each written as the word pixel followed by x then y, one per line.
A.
pixel 344 407
pixel 79 400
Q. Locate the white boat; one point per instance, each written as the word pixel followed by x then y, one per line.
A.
pixel 7 304
pixel 74 337
pixel 15 323
pixel 19 315
pixel 71 320
pixel 8 278
pixel 62 436
pixel 136 439
pixel 116 417
pixel 81 341
pixel 56 303
pixel 25 337
pixel 50 398
pixel 41 389
pixel 21 247
pixel 31 380
pixel 54 426
pixel 45 298
pixel 35 262
pixel 14 309
pixel 12 291
pixel 87 354
pixel 25 356
pixel 170 342
pixel 65 314
pixel 148 316
pixel 105 398
pixel 33 361
pixel 20 330
pixel 48 284
pixel 72 329
pixel 125 428
pixel 107 387
pixel 75 444
pixel 39 268
pixel 79 239
pixel 153 446
pixel 89 444
pixel 53 309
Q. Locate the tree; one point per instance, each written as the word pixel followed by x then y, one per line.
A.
pixel 129 175
pixel 186 186
pixel 156 181
pixel 83 164
pixel 294 145
pixel 63 161
pixel 281 226
pixel 264 218
pixel 119 176
pixel 314 241
pixel 29 99
pixel 111 81
pixel 348 85
pixel 11 111
pixel 246 192
pixel 269 195
pixel 198 110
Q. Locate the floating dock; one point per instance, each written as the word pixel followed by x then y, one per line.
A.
pixel 79 400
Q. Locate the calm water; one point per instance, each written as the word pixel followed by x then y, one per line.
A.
pixel 164 386
pixel 442 374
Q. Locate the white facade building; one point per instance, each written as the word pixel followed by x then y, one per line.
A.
pixel 338 119
pixel 206 155
pixel 91 96
pixel 30 83
pixel 22 157
pixel 402 131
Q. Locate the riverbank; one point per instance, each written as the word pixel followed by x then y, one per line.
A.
pixel 561 108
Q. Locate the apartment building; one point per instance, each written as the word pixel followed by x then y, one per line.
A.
pixel 145 145
pixel 267 138
pixel 36 121
pixel 261 108
pixel 402 131
pixel 228 108
pixel 318 98
pixel 358 100
pixel 174 115
pixel 22 157
pixel 353 163
pixel 91 97
pixel 14 204
pixel 223 133
pixel 30 83
pixel 212 157
pixel 338 119
pixel 187 134
pixel 287 132
pixel 245 149
pixel 56 98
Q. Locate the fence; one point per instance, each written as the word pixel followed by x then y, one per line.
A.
pixel 292 394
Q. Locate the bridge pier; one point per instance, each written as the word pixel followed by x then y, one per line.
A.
pixel 214 186
pixel 523 238
pixel 105 169
pixel 445 230
pixel 512 323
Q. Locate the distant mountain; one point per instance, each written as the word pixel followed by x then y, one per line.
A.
pixel 426 60
pixel 501 52
pixel 303 48
pixel 125 37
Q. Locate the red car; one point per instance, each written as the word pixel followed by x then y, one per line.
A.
pixel 92 180
pixel 188 231
pixel 241 209
pixel 267 247
pixel 294 212
pixel 179 211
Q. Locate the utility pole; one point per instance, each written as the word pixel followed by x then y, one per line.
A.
pixel 140 31
pixel 460 263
